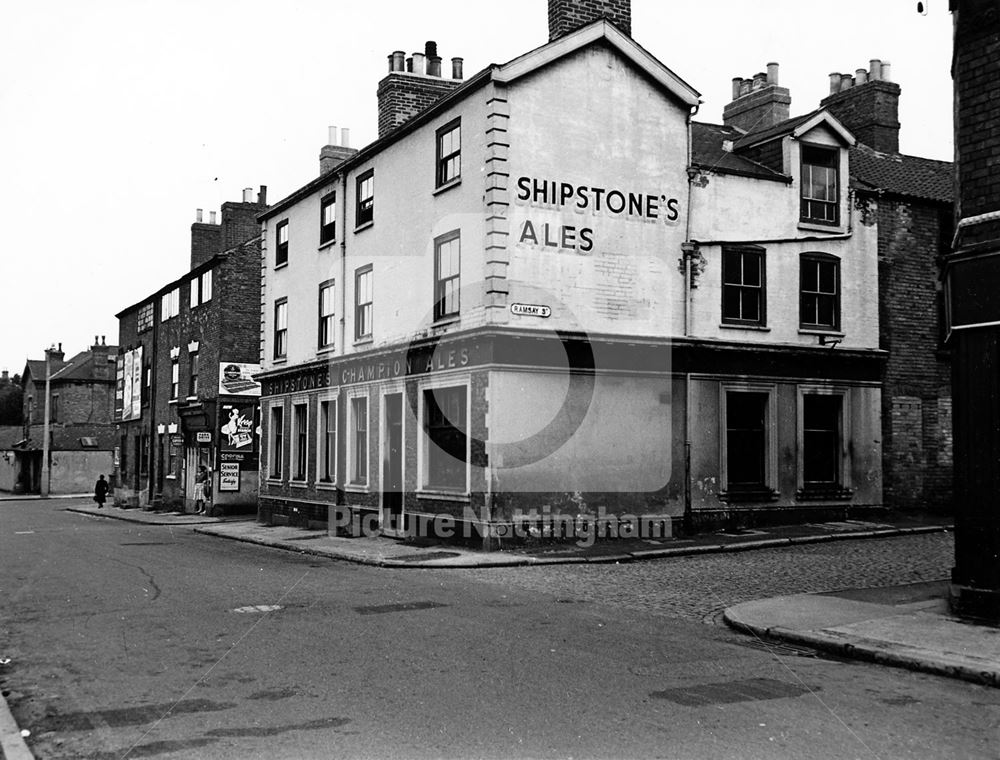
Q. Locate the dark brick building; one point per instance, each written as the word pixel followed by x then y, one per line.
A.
pixel 81 421
pixel 184 393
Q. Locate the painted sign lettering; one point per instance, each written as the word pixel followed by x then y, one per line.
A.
pixel 530 310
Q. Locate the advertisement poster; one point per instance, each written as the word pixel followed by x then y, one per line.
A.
pixel 238 433
pixel 127 386
pixel 119 386
pixel 137 383
pixel 237 379
pixel 229 476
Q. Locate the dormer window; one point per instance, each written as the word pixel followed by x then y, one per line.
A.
pixel 820 185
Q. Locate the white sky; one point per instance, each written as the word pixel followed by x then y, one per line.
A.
pixel 119 118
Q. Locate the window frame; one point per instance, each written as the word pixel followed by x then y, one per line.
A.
pixel 806 213
pixel 328 230
pixel 842 486
pixel 441 284
pixel 280 331
pixel 442 159
pixel 769 486
pixel 354 478
pixel 326 323
pixel 275 441
pixel 364 205
pixel 170 304
pixel 362 318
pixel 175 378
pixel 281 246
pixel 819 258
pixel 298 466
pixel 744 251
pixel 146 317
pixel 193 373
pixel 326 439
pixel 425 441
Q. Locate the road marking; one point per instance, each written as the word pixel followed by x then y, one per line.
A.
pixel 258 608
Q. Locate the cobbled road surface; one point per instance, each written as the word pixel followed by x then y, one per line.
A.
pixel 700 587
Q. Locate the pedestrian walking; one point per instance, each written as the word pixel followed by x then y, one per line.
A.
pixel 100 491
pixel 201 490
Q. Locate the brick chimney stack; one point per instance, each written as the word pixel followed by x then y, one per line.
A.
pixel 238 225
pixel 335 152
pixel 757 103
pixel 206 240
pixel 867 103
pixel 412 85
pixel 99 359
pixel 567 15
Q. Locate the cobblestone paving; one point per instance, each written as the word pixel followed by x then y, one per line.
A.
pixel 699 587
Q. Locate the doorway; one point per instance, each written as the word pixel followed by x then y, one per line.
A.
pixel 392 465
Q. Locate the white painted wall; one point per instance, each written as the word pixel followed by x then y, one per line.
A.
pixel 593 120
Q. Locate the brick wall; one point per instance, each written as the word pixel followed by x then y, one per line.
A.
pixel 206 241
pixel 870 111
pixel 567 15
pixel 916 397
pixel 402 95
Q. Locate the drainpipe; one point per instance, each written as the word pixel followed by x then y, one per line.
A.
pixel 340 350
pixel 688 248
pixel 46 449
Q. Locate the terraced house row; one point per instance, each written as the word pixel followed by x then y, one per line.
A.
pixel 548 289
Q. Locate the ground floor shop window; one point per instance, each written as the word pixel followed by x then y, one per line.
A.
pixel 300 440
pixel 326 441
pixel 359 440
pixel 445 422
pixel 821 441
pixel 746 441
pixel 275 443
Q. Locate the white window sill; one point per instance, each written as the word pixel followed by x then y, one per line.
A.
pixel 758 328
pixel 327 245
pixel 830 229
pixel 324 486
pixel 282 265
pixel 448 186
pixel 298 484
pixel 363 227
pixel 356 488
pixel 459 496
pixel 368 340
pixel 831 332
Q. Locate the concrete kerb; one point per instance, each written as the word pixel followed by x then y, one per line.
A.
pixel 473 560
pixel 12 744
pixel 868 650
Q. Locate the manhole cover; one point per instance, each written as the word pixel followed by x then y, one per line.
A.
pixel 729 692
pixel 378 609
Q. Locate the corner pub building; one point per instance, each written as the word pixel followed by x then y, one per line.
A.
pixel 545 293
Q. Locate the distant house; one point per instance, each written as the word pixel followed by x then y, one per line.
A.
pixel 81 423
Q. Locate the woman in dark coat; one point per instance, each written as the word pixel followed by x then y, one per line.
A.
pixel 100 491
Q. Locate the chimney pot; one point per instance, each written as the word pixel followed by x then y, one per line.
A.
pixel 211 217
pixel 331 135
pixel 262 195
pixel 886 71
pixel 430 48
pixel 745 86
pixel 759 79
pixel 846 82
pixel 95 340
pixel 248 195
pixel 392 62
pixel 434 66
pixel 398 61
pixel 737 81
pixel 409 64
pixel 834 82
pixel 102 340
pixel 419 66
pixel 456 68
pixel 861 76
pixel 345 137
pixel 198 215
pixel 874 69
pixel 772 73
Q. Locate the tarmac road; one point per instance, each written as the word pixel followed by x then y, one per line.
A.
pixel 152 641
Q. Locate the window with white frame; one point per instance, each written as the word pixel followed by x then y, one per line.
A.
pixel 363 302
pixel 175 377
pixel 447 275
pixel 170 304
pixel 281 328
pixel 358 438
pixel 326 440
pixel 300 440
pixel 444 416
pixel 281 244
pixel 449 152
pixel 327 316
pixel 820 185
pixel 328 219
pixel 276 441
pixel 365 194
pixel 819 291
pixel 145 321
pixel 193 373
pixel 201 288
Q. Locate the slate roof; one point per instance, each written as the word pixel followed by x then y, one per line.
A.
pixel 707 152
pixel 780 129
pixel 78 368
pixel 899 174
